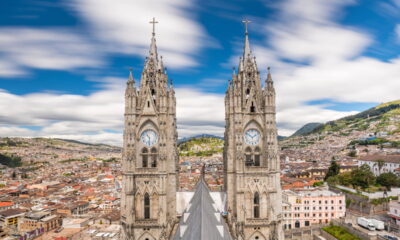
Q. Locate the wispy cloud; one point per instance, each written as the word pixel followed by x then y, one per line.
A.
pixel 56 49
pixel 104 34
pixel 179 35
pixel 98 117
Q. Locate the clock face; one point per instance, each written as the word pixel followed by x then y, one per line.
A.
pixel 149 137
pixel 252 137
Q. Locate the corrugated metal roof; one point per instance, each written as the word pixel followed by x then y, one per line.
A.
pixel 201 220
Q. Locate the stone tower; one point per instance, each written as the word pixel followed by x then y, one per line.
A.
pixel 150 156
pixel 252 170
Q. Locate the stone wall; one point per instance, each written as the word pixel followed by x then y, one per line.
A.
pixel 361 204
pixel 305 233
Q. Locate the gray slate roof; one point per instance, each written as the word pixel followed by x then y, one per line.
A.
pixel 201 220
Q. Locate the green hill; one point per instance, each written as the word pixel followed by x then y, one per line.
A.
pixel 306 129
pixel 382 118
pixel 201 146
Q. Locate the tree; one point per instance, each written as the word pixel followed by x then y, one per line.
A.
pixel 388 180
pixel 333 170
pixel 379 163
pixel 362 177
pixel 352 154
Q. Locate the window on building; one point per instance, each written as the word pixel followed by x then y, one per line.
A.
pixel 249 157
pixel 307 223
pixel 153 157
pixel 256 202
pixel 252 107
pixel 257 157
pixel 145 157
pixel 146 206
pixel 297 224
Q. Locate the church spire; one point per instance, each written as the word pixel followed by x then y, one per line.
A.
pixel 247 50
pixel 153 46
pixel 269 84
pixel 131 80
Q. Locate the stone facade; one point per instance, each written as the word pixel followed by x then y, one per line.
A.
pixel 252 169
pixel 150 156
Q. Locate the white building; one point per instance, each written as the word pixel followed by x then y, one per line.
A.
pixel 394 211
pixel 391 163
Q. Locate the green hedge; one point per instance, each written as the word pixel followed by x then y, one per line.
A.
pixel 340 233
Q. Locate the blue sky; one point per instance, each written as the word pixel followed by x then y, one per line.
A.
pixel 63 64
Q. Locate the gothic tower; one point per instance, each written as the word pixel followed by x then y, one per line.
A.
pixel 252 170
pixel 150 156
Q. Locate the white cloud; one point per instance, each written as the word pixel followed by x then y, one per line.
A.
pixel 56 49
pixel 8 69
pixel 179 36
pixel 98 117
pixel 195 108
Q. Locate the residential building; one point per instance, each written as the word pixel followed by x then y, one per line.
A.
pixel 303 208
pixel 39 220
pixel 10 217
pixel 394 211
pixel 391 163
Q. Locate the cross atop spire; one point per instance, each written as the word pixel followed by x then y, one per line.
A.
pixel 154 22
pixel 246 23
pixel 153 47
pixel 247 51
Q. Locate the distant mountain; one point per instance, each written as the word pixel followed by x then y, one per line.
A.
pixel 382 118
pixel 198 136
pixel 280 138
pixel 306 129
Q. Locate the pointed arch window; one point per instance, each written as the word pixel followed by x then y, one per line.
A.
pixel 256 205
pixel 257 157
pixel 249 157
pixel 247 93
pixel 153 157
pixel 252 107
pixel 146 206
pixel 145 157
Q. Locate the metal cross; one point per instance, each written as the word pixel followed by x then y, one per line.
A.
pixel 246 22
pixel 154 24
